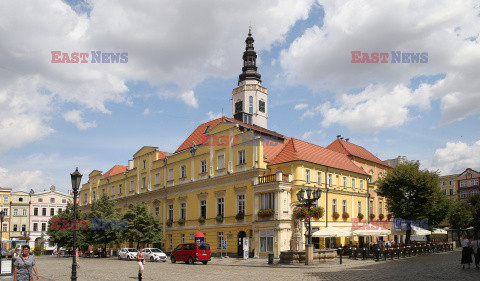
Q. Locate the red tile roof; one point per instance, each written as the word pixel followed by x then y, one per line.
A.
pixel 115 170
pixel 349 148
pixel 162 154
pixel 296 149
pixel 271 148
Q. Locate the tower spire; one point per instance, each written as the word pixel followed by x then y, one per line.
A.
pixel 249 69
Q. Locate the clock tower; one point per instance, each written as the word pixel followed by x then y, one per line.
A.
pixel 249 99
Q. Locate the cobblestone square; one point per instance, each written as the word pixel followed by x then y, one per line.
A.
pixel 442 266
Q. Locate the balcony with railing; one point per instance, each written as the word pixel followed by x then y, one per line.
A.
pixel 277 177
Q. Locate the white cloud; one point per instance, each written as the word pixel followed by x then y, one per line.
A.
pixel 309 134
pixel 300 106
pixel 168 43
pixel 455 157
pixel 212 116
pixel 146 111
pixel 321 57
pixel 24 180
pixel 75 117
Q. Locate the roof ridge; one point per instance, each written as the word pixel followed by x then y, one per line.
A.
pixel 339 153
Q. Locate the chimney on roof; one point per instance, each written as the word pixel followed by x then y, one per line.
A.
pixel 347 139
pixel 338 136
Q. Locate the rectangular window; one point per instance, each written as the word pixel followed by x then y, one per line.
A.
pixel 144 164
pixel 220 162
pixel 319 177
pixel 5 211
pixel 353 184
pixel 450 183
pixel 113 191
pixel 451 191
pixel 170 239
pixel 380 209
pixel 463 194
pixel 266 241
pixel 203 165
pixel 219 240
pixel 463 184
pixel 15 212
pixel 344 182
pixel 5 200
pixel 203 208
pixel 330 180
pixel 24 227
pixel 44 212
pixel 241 157
pixel 24 212
pixel 444 183
pixel 474 182
pixel 220 206
pixel 4 228
pixel 261 106
pixel 59 210
pixel 444 192
pixel 170 174
pixel 120 189
pixel 132 186
pixel 334 205
pixel 85 198
pixel 307 175
pixel 52 212
pixel 65 200
pixel 157 178
pixel 15 227
pixel 35 226
pixel 183 211
pixel 183 170
pixel 52 200
pixel 361 185
pixel 344 206
pixel 40 200
pixel 170 212
pixel 144 182
pixel 157 211
pixel 94 195
pixel 183 238
pixel 267 200
pixel 371 207
pixel 241 203
pixel 103 191
pixel 44 226
pixel 359 207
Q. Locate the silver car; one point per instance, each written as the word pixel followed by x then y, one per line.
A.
pixel 154 254
pixel 128 254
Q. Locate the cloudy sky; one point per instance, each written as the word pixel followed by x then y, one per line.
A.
pixel 184 58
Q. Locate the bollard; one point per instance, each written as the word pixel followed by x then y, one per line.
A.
pixel 398 253
pixel 363 254
pixel 377 253
pixel 340 250
pixel 355 253
pixel 385 254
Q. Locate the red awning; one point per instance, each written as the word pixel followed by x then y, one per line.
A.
pixel 199 234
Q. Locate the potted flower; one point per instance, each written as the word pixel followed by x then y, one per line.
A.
pixel 316 212
pixel 360 216
pixel 201 219
pixel 372 216
pixel 181 221
pixel 169 222
pixel 335 215
pixel 389 216
pixel 300 213
pixel 219 218
pixel 240 216
pixel 266 213
pixel 345 215
pixel 381 216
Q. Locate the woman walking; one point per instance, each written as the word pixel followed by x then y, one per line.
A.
pixel 24 265
pixel 140 261
pixel 466 252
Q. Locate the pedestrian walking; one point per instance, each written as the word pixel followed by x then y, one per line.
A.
pixel 466 252
pixel 140 261
pixel 476 252
pixel 24 264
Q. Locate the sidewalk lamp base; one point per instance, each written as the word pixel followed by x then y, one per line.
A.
pixel 309 254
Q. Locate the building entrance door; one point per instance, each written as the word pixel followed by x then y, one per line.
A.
pixel 241 235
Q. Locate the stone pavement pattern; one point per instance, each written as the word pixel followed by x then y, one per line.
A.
pixel 443 266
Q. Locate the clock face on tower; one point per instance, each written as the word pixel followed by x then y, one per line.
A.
pixel 238 106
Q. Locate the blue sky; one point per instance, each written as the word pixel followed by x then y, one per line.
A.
pixel 184 60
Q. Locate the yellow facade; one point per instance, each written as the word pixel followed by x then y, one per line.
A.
pixel 5 200
pixel 148 180
pixel 448 186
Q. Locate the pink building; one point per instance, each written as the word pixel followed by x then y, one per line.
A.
pixel 43 206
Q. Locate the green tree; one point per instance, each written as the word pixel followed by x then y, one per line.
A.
pixel 59 228
pixel 474 201
pixel 461 215
pixel 105 223
pixel 413 194
pixel 143 227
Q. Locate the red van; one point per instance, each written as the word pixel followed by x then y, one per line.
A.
pixel 191 252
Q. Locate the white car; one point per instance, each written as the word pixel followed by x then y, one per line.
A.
pixel 154 254
pixel 127 253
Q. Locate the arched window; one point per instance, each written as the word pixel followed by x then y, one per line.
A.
pixel 250 105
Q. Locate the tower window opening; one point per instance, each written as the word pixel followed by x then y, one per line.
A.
pixel 250 105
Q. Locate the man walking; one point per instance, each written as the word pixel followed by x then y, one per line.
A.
pixel 476 251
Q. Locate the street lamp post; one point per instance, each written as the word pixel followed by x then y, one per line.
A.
pixel 311 197
pixel 2 215
pixel 76 179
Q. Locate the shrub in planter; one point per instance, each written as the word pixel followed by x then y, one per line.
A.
pixel 181 221
pixel 345 215
pixel 169 222
pixel 389 216
pixel 360 216
pixel 316 212
pixel 300 213
pixel 266 213
pixel 219 218
pixel 201 219
pixel 381 216
pixel 372 216
pixel 240 216
pixel 335 215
